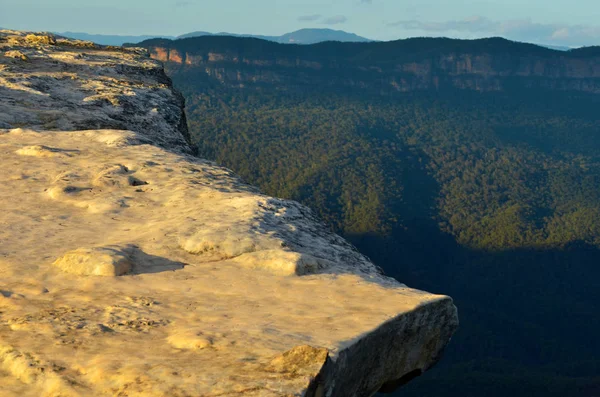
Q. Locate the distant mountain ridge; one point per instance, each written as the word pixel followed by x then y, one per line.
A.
pixel 109 39
pixel 557 47
pixel 417 64
pixel 302 36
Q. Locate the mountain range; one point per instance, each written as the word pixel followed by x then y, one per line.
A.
pixel 464 167
pixel 396 66
pixel 302 36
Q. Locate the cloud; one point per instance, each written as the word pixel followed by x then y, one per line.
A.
pixel 516 29
pixel 309 18
pixel 473 24
pixel 335 20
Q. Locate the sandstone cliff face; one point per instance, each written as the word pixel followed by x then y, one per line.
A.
pixel 129 267
pixel 370 66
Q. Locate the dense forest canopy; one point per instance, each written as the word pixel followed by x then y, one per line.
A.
pixel 490 197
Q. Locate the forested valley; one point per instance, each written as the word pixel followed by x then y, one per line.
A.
pixel 490 197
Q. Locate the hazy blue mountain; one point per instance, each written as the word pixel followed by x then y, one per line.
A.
pixel 302 36
pixel 108 39
pixel 556 47
pixel 312 36
pixel 201 34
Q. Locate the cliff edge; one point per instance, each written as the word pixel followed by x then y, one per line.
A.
pixel 129 267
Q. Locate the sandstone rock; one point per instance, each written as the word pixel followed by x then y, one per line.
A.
pixel 284 263
pixel 36 39
pixel 223 244
pixel 77 43
pixel 38 151
pixel 304 362
pixel 74 86
pixel 112 175
pixel 300 360
pixel 16 54
pixel 190 340
pixel 35 371
pixel 102 261
pixel 229 316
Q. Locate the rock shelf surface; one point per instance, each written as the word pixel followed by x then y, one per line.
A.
pixel 129 267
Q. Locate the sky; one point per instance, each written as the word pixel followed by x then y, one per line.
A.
pixel 570 23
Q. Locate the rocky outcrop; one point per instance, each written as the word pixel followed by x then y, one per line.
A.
pixel 402 66
pixel 50 84
pixel 130 267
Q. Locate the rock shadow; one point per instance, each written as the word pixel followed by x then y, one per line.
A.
pixel 144 263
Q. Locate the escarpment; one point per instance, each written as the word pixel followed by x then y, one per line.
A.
pixel 130 267
pixel 384 67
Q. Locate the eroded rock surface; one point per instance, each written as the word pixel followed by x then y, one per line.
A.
pixel 130 268
pixel 56 84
